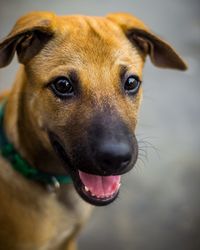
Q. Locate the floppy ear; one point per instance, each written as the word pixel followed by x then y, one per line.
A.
pixel 27 37
pixel 160 52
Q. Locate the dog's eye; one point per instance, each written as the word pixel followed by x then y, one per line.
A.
pixel 132 85
pixel 62 87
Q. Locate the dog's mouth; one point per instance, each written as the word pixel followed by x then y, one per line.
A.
pixel 95 189
pixel 98 190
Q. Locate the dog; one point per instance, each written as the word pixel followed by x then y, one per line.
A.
pixel 68 123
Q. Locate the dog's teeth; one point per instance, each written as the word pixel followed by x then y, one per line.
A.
pixel 86 189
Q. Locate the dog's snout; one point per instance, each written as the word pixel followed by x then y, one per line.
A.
pixel 111 144
pixel 113 156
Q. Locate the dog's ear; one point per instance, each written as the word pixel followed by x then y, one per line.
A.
pixel 27 37
pixel 160 52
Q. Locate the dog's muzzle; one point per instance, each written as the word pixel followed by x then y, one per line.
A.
pixel 97 162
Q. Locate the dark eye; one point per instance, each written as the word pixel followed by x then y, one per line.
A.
pixel 132 85
pixel 62 87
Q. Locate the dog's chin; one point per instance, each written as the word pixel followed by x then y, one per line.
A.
pixel 98 190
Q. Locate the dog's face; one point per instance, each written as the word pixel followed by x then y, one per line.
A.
pixel 83 91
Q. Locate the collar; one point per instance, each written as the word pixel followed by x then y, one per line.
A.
pixel 8 151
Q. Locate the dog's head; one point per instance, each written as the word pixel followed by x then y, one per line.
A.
pixel 82 91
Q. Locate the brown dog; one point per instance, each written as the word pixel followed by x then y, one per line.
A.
pixel 71 112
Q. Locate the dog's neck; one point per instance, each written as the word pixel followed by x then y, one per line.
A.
pixel 23 135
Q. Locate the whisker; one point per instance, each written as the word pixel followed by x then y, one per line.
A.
pixel 144 147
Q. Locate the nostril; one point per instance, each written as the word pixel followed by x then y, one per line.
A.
pixel 125 163
pixel 114 155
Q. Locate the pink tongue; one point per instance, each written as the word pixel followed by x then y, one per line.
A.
pixel 100 186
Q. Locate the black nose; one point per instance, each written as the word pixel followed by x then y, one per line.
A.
pixel 112 156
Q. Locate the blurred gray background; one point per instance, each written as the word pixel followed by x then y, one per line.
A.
pixel 159 204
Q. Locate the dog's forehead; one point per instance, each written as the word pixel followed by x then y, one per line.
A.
pixel 93 38
pixel 97 36
pixel 88 44
pixel 88 25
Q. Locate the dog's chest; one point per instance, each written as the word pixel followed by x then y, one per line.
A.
pixel 32 218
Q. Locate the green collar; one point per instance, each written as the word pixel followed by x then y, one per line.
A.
pixel 8 151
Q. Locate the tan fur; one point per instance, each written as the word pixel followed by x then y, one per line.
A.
pixel 31 218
